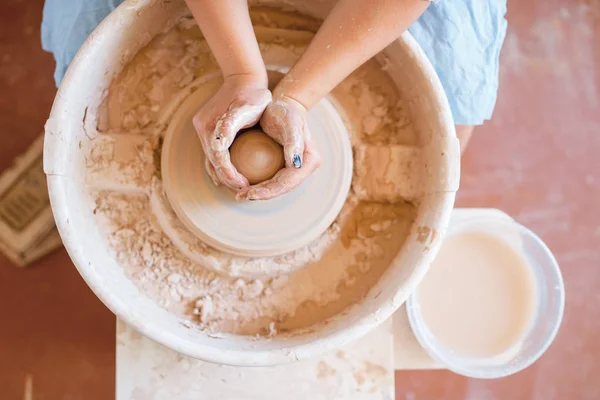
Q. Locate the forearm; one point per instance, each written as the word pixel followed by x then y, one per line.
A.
pixel 353 32
pixel 228 31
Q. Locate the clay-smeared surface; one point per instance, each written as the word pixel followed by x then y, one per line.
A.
pixel 355 250
pixel 59 334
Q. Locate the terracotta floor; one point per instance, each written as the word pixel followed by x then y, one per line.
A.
pixel 538 159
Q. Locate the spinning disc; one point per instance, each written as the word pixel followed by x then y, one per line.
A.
pixel 259 228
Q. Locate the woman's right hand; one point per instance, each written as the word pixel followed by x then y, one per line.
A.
pixel 238 104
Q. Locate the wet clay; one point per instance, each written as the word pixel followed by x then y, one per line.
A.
pixel 256 156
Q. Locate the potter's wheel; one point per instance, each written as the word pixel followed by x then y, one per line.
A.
pixel 85 171
pixel 259 228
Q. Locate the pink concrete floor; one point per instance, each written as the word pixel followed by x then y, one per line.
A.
pixel 538 160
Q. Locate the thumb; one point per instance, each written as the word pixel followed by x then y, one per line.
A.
pixel 285 122
pixel 293 147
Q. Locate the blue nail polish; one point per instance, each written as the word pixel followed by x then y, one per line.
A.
pixel 297 161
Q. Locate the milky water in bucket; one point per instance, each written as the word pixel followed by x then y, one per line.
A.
pixel 479 297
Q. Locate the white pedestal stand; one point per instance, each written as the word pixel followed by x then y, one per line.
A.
pixel 363 370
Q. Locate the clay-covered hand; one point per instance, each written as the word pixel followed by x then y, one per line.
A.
pixel 285 120
pixel 237 105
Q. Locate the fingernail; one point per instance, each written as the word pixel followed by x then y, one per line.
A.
pixel 251 195
pixel 297 161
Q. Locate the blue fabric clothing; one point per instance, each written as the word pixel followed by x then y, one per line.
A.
pixel 462 38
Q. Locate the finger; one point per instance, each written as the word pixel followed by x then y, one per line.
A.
pixel 221 171
pixel 293 147
pixel 275 120
pixel 227 174
pixel 285 122
pixel 240 114
pixel 210 170
pixel 285 180
pixel 236 118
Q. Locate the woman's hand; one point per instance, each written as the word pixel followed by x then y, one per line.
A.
pixel 238 104
pixel 284 120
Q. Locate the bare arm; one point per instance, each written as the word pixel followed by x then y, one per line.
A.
pixel 242 99
pixel 353 32
pixel 228 31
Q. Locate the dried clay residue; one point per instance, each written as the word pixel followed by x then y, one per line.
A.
pixel 372 227
pixel 368 242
